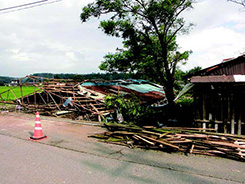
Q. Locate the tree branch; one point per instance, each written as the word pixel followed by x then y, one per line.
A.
pixel 173 35
pixel 241 2
pixel 171 21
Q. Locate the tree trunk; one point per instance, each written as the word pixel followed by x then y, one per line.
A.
pixel 169 91
pixel 171 108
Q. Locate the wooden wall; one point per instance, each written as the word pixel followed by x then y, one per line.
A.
pixel 220 106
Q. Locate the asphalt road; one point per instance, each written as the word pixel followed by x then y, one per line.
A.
pixel 68 156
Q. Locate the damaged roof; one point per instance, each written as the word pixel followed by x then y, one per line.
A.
pixel 235 66
pixel 218 79
pixel 147 91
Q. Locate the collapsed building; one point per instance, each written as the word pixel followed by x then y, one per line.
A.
pixel 81 100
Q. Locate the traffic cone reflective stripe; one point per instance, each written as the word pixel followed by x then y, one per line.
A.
pixel 38 128
pixel 38 132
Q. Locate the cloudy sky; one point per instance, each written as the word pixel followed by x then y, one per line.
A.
pixel 51 37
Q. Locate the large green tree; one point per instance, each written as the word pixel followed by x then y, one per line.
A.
pixel 148 29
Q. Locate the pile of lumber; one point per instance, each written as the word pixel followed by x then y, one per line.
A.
pixel 174 139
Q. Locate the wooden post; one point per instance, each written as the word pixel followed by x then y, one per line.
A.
pixel 204 126
pixel 35 97
pixel 203 108
pixel 21 92
pixel 233 122
pixel 228 114
pixel 239 130
pixel 204 112
pixel 232 111
pixel 221 110
pixel 216 127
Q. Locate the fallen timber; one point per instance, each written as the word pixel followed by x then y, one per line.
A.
pixel 176 139
pixel 49 97
pixel 52 101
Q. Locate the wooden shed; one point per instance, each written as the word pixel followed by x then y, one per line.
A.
pixel 219 96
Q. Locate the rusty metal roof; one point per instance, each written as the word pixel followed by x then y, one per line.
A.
pixel 231 70
pixel 218 79
pixel 234 66
pixel 210 79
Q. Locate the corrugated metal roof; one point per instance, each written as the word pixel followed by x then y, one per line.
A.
pixel 141 88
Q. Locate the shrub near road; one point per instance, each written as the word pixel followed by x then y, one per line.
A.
pixel 7 95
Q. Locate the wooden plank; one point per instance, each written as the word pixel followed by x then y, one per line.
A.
pixel 99 114
pixel 163 142
pixel 200 136
pixel 207 121
pixel 14 95
pixel 179 141
pixel 151 133
pixel 192 148
pixel 223 144
pixel 1 97
pixel 42 98
pixel 123 133
pixel 54 101
pixel 145 140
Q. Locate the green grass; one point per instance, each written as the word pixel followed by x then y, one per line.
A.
pixel 8 95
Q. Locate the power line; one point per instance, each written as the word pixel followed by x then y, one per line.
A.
pixel 27 6
pixel 23 5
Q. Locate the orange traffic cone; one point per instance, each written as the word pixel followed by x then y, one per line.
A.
pixel 38 132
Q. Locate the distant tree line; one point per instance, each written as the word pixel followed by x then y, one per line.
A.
pixel 180 76
pixel 104 76
pixel 5 80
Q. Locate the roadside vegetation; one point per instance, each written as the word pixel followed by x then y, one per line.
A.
pixel 132 109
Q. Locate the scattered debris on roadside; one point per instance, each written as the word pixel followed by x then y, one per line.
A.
pixel 176 139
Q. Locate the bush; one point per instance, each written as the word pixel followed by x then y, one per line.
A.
pixel 132 109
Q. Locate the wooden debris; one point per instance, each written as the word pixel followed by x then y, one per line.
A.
pixel 145 140
pixel 228 146
pixel 50 97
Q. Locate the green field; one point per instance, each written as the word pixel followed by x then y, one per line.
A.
pixel 7 95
